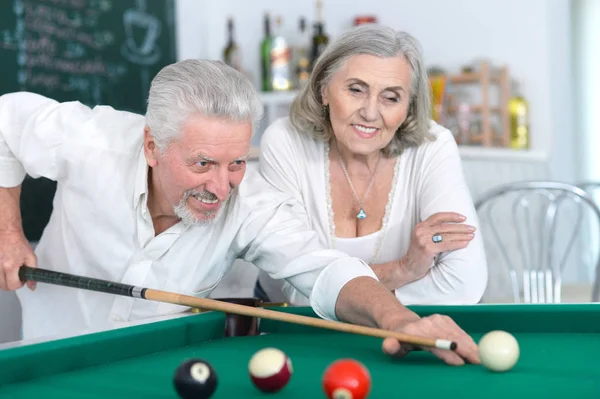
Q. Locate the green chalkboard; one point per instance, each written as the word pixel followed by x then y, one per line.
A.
pixel 92 51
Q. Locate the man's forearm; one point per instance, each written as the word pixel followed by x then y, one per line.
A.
pixel 367 302
pixel 10 210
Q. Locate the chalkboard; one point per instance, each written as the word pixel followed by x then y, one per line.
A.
pixel 92 51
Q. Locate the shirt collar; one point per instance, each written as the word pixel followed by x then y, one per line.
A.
pixel 141 181
pixel 140 195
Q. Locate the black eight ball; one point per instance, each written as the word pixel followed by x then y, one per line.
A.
pixel 195 378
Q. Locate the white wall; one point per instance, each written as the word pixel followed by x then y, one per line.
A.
pixel 532 37
pixel 586 46
pixel 563 135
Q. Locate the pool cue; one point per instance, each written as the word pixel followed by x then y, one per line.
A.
pixel 87 283
pixel 260 305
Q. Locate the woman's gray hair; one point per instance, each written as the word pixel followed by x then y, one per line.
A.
pixel 192 87
pixel 307 111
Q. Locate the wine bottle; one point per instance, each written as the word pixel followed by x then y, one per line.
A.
pixel 320 39
pixel 265 55
pixel 231 54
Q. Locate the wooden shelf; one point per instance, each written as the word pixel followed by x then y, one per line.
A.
pixel 278 97
pixel 475 108
pixel 485 77
pixel 501 154
pixel 477 152
pixel 472 77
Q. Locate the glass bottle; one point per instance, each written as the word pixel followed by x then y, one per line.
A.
pixel 266 46
pixel 231 54
pixel 518 111
pixel 320 39
pixel 302 56
pixel 281 58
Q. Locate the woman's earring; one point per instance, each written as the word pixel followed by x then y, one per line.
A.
pixel 325 110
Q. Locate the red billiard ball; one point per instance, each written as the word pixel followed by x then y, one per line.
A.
pixel 346 379
pixel 270 369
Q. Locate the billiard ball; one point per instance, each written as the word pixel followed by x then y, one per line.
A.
pixel 195 378
pixel 498 351
pixel 270 369
pixel 346 379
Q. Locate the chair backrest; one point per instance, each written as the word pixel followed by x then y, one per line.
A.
pixel 532 227
pixel 591 187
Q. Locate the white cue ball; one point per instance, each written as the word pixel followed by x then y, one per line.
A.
pixel 498 351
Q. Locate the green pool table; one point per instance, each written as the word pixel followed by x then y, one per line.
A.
pixel 560 358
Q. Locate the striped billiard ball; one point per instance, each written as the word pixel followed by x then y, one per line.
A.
pixel 270 369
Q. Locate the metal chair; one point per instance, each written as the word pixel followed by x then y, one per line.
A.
pixel 591 187
pixel 534 226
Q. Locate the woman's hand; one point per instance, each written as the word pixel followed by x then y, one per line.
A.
pixel 441 232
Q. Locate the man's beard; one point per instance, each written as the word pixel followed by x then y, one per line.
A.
pixel 189 218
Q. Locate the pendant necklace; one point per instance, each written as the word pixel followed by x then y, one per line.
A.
pixel 361 213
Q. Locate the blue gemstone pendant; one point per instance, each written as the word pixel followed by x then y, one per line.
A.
pixel 361 214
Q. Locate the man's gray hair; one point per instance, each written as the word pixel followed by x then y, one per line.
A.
pixel 307 110
pixel 205 87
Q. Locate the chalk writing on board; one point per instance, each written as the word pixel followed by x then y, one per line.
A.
pixel 146 52
pixel 94 51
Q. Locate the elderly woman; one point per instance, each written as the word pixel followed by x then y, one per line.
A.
pixel 374 176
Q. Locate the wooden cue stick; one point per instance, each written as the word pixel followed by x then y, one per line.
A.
pixel 260 305
pixel 87 283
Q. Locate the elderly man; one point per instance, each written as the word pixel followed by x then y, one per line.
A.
pixel 161 202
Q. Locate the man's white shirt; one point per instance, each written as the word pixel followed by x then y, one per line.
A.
pixel 101 226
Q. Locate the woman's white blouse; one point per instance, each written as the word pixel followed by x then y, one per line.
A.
pixel 429 179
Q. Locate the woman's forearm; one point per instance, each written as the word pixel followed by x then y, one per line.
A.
pixel 394 274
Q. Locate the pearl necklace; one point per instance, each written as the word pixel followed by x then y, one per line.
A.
pixel 386 216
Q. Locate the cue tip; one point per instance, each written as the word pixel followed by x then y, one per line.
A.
pixel 445 344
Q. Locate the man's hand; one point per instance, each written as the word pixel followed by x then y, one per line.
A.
pixel 438 327
pixel 365 301
pixel 15 251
